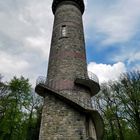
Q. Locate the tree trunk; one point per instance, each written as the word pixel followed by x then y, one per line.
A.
pixel 120 128
pixel 112 130
pixel 138 122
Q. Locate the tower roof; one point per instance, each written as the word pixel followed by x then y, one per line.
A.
pixel 78 3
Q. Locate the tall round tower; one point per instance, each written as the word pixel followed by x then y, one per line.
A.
pixel 67 90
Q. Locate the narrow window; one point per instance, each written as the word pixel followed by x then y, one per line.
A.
pixel 63 31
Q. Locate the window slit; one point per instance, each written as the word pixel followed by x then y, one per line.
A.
pixel 63 31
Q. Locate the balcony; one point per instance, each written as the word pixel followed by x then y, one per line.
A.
pixel 41 80
pixel 42 87
pixel 91 81
pixel 93 77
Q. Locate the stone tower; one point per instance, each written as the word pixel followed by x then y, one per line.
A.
pixel 68 113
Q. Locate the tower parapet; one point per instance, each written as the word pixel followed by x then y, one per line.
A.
pixel 78 3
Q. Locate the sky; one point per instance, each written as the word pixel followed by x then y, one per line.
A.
pixel 112 35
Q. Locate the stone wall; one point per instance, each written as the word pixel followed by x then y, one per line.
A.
pixel 67 61
pixel 67 56
pixel 61 122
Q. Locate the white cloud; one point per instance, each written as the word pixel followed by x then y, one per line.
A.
pixel 114 21
pixel 29 65
pixel 25 37
pixel 39 44
pixel 106 72
pixel 85 2
pixel 26 28
pixel 134 57
pixel 12 64
pixel 136 67
pixel 129 55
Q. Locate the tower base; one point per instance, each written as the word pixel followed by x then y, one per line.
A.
pixel 79 123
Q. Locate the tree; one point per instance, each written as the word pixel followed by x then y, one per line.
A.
pixel 108 105
pixel 16 97
pixel 119 105
pixel 34 117
pixel 20 110
pixel 128 91
pixel 3 99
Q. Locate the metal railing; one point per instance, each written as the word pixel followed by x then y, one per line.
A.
pixel 41 80
pixel 59 88
pixel 93 77
pixel 85 103
pixel 88 76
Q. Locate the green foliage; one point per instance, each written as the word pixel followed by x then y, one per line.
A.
pixel 119 105
pixel 19 109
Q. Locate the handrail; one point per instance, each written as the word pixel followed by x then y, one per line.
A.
pixel 52 85
pixel 56 86
pixel 89 75
pixel 85 105
pixel 41 80
pixel 93 76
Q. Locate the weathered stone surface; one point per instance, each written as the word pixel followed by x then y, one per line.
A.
pixel 78 3
pixel 61 122
pixel 67 55
pixel 67 62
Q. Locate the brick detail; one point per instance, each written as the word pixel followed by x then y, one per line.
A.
pixel 61 84
pixel 66 54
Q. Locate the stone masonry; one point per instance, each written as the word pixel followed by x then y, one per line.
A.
pixel 63 115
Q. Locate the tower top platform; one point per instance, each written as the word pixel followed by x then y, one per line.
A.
pixel 78 3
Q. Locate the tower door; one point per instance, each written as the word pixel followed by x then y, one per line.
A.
pixel 91 132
